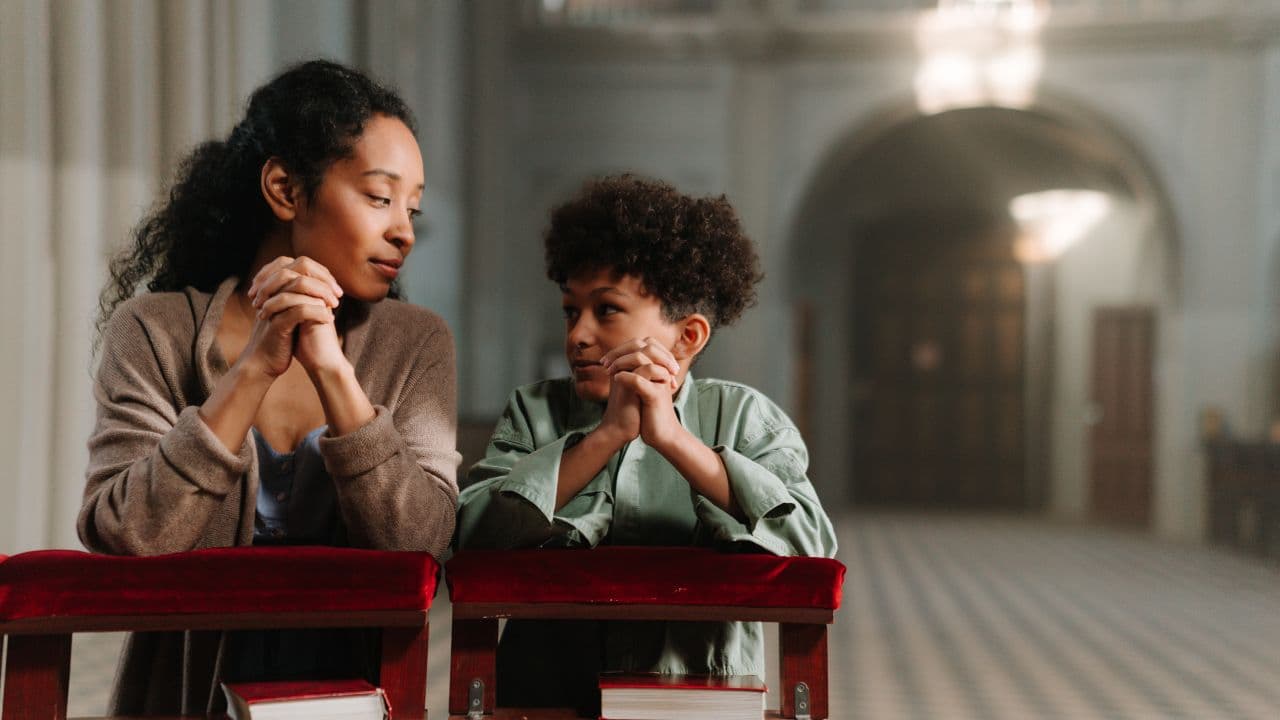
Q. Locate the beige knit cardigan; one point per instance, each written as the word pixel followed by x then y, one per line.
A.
pixel 159 480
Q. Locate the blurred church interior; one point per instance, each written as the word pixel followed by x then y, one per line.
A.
pixel 1022 272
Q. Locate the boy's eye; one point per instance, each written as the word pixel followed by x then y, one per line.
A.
pixel 414 213
pixel 380 201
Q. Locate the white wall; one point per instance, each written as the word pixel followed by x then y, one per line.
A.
pixel 26 272
pixel 1112 265
pixel 759 121
pixel 512 122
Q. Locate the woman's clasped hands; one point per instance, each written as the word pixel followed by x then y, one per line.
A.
pixel 294 302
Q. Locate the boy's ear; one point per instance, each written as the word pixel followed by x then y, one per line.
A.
pixel 695 332
pixel 279 190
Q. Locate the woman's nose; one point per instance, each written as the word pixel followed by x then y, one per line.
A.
pixel 401 235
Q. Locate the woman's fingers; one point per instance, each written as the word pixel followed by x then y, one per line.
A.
pixel 275 274
pixel 267 271
pixel 284 301
pixel 289 281
pixel 286 320
pixel 311 268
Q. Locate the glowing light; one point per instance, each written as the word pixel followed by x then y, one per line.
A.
pixel 1053 220
pixel 979 52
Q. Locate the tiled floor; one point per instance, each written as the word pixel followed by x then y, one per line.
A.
pixel 982 617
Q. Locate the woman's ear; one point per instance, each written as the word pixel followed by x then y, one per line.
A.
pixel 695 332
pixel 279 191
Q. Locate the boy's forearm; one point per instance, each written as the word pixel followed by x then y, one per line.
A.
pixel 582 462
pixel 703 469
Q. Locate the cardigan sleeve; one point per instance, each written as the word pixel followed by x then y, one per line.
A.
pixel 396 475
pixel 158 480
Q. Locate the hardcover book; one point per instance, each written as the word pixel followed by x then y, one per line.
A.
pixel 646 696
pixel 309 700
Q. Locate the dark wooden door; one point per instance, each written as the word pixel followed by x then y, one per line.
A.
pixel 938 389
pixel 1120 453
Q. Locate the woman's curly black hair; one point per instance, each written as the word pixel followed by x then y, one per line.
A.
pixel 690 252
pixel 215 216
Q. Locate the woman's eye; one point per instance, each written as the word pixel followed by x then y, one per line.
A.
pixel 380 201
pixel 570 313
pixel 606 310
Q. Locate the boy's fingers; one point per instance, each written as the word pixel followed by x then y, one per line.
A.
pixel 630 361
pixel 638 352
pixel 661 354
pixel 657 375
pixel 627 380
pixel 653 372
pixel 625 348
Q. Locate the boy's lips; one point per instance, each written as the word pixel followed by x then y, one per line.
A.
pixel 586 367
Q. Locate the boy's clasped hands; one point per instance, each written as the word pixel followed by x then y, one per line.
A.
pixel 644 377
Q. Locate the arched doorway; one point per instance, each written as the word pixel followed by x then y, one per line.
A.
pixel 956 371
pixel 939 319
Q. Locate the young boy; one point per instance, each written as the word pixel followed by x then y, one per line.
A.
pixel 631 449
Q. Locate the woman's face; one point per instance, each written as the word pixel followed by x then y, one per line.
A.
pixel 359 225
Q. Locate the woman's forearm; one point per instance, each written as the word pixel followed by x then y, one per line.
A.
pixel 346 407
pixel 232 406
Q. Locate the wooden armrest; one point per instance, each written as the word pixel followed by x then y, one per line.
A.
pixel 71 591
pixel 638 577
pixel 638 583
pixel 45 596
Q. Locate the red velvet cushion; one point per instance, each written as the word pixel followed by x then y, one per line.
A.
pixel 50 583
pixel 644 576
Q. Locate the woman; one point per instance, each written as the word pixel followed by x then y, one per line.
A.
pixel 265 391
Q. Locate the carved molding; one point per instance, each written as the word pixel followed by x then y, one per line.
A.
pixel 747 34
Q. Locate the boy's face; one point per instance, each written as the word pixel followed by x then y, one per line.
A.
pixel 601 311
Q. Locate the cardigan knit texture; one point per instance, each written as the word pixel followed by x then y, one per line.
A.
pixel 159 481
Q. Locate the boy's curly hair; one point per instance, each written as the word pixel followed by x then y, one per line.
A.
pixel 689 252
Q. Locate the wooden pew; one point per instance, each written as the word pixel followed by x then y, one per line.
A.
pixel 1243 491
pixel 611 583
pixel 46 596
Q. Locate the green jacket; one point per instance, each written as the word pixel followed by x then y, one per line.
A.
pixel 639 498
